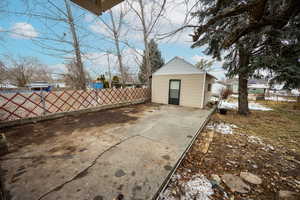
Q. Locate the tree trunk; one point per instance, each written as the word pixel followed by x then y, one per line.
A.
pixel 145 37
pixel 109 72
pixel 148 65
pixel 243 95
pixel 120 62
pixel 116 34
pixel 243 82
pixel 81 74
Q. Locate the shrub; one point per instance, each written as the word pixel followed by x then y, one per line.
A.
pixel 225 93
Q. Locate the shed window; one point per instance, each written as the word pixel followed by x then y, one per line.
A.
pixel 209 87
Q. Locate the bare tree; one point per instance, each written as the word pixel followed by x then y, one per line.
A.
pixel 23 70
pixel 72 76
pixel 78 63
pixel 148 19
pixel 3 72
pixel 59 36
pixel 114 29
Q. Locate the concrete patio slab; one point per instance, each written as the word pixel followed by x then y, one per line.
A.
pixel 128 151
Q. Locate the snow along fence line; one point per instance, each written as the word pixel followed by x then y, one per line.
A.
pixel 15 106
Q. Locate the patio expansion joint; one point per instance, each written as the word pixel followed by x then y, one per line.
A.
pixel 78 175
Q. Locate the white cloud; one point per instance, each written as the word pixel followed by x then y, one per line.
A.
pixel 22 30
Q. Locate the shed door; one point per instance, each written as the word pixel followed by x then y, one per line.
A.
pixel 174 92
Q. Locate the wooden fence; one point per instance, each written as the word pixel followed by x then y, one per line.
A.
pixel 33 104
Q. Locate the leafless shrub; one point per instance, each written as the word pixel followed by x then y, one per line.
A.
pixel 225 93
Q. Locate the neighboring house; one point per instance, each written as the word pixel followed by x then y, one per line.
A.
pixel 180 83
pixel 217 88
pixel 258 89
pixel 258 86
pixel 59 85
pixel 7 85
pixel 233 85
pixel 279 89
pixel 134 85
pixel 39 85
pixel 255 86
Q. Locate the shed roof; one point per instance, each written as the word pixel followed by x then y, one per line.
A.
pixel 178 66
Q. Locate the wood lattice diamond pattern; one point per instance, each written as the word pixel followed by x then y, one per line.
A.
pixel 31 104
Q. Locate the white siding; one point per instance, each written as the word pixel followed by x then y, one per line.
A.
pixel 191 93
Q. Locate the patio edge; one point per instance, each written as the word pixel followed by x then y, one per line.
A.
pixel 168 178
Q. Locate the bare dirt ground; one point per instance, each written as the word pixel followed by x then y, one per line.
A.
pixel 266 144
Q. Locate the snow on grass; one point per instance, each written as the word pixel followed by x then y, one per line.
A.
pixel 198 188
pixel 274 98
pixel 234 105
pixel 271 98
pixel 259 141
pixel 223 128
pixel 213 98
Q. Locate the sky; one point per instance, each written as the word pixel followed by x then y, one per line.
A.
pixel 37 29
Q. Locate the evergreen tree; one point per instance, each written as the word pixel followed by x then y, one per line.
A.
pixel 156 61
pixel 280 54
pixel 204 65
pixel 246 30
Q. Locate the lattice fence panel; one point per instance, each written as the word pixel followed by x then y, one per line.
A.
pixel 23 105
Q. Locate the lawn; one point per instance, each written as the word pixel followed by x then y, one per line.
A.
pixel 265 144
pixel 281 126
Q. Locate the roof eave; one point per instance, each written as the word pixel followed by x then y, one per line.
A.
pixel 177 74
pixel 97 6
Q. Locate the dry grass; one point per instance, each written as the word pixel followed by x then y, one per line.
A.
pixel 280 127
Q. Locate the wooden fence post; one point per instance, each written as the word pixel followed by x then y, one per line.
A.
pixel 43 102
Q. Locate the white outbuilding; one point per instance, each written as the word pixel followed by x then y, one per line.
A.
pixel 179 82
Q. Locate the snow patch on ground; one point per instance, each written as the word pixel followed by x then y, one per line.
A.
pixel 213 98
pixel 198 188
pixel 274 98
pixel 223 128
pixel 255 140
pixel 259 141
pixel 234 105
pixel 271 98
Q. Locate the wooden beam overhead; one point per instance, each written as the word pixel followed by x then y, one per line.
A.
pixel 97 6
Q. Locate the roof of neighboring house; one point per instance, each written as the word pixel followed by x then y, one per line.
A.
pixel 178 66
pixel 7 85
pixel 38 85
pixel 258 86
pixel 257 81
pixel 231 81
